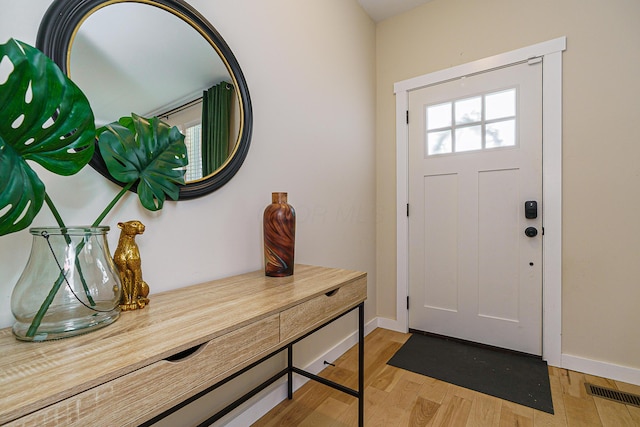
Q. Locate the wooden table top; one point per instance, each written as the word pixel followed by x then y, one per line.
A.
pixel 34 375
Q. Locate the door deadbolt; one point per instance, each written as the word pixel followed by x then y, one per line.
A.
pixel 531 209
pixel 531 232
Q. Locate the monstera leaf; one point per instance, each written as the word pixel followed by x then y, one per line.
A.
pixel 149 150
pixel 44 117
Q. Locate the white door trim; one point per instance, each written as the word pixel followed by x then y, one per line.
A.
pixel 551 51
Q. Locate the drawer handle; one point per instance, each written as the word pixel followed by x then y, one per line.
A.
pixel 332 293
pixel 185 353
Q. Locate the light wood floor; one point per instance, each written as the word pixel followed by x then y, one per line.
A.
pixel 395 397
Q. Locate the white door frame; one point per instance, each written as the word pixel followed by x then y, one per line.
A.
pixel 551 52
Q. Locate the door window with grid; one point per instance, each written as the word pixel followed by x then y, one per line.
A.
pixel 480 122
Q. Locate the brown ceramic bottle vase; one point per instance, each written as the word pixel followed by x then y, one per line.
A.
pixel 279 236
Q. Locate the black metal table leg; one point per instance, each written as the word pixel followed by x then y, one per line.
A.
pixel 361 365
pixel 290 371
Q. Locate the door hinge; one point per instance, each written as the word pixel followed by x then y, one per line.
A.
pixel 407 116
pixel 407 209
pixel 543 231
pixel 407 302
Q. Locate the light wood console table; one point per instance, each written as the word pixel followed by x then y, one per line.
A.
pixel 185 343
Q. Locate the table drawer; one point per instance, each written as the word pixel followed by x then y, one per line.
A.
pixel 304 317
pixel 155 388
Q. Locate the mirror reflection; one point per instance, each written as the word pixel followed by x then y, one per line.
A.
pixel 134 57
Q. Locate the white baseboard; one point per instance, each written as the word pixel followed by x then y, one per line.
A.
pixel 601 369
pixel 267 400
pixel 391 324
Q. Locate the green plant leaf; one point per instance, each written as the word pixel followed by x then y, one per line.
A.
pixel 44 118
pixel 149 150
pixel 21 191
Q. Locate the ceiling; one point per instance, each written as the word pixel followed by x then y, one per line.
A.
pixel 380 10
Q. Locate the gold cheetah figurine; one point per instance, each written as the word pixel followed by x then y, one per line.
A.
pixel 127 258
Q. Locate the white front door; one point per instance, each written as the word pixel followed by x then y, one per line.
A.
pixel 475 159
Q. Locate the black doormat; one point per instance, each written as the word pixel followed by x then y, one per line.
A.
pixel 510 376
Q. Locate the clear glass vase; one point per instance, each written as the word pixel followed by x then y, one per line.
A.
pixel 69 286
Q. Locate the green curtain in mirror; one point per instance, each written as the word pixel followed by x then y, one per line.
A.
pixel 216 123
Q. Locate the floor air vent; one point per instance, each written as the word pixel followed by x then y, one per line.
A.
pixel 615 395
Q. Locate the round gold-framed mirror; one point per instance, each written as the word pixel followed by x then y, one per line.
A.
pixel 156 58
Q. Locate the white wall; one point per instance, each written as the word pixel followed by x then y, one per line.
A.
pixel 310 67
